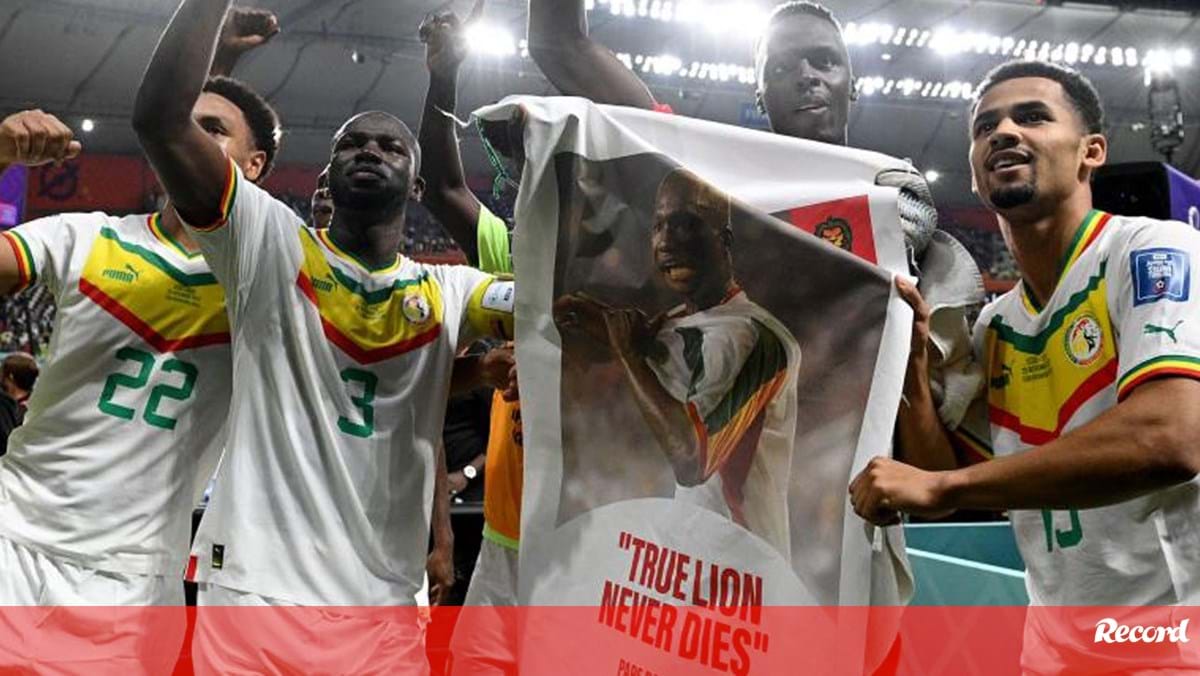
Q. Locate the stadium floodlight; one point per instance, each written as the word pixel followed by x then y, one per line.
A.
pixel 1071 53
pixel 736 18
pixel 1157 62
pixel 748 19
pixel 945 41
pixel 666 64
pixel 491 40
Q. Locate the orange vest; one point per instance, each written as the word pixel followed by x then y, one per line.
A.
pixel 504 474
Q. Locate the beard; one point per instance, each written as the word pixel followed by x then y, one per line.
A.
pixel 346 197
pixel 1012 196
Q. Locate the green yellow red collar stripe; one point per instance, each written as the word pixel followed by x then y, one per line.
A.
pixel 1088 231
pixel 360 354
pixel 1158 367
pixel 228 196
pixel 180 276
pixel 26 268
pixel 154 222
pixel 323 236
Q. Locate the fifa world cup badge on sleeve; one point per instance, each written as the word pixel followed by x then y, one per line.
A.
pixel 499 296
pixel 1160 274
pixel 491 308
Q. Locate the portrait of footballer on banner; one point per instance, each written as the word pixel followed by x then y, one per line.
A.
pixel 689 373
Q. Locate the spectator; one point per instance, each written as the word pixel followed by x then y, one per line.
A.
pixel 17 375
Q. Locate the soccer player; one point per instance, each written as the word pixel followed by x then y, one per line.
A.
pixel 321 209
pixel 715 378
pixel 342 367
pixel 122 430
pixel 1092 392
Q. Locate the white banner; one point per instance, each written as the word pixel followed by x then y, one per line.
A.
pixel 701 375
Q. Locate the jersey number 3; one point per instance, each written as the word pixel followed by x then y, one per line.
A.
pixel 146 361
pixel 364 402
pixel 1064 538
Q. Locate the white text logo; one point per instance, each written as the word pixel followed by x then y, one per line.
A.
pixel 1109 630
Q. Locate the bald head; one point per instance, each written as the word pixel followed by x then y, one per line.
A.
pixel 377 121
pixel 375 165
pixel 683 191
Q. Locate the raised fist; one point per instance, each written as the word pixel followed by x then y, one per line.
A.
pixel 445 38
pixel 32 138
pixel 244 29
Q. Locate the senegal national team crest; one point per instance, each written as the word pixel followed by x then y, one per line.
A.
pixel 837 232
pixel 416 308
pixel 1084 340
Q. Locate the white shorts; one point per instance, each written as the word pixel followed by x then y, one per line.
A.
pixel 244 633
pixel 485 637
pixel 60 617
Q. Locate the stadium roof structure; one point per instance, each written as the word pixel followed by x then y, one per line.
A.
pixel 917 61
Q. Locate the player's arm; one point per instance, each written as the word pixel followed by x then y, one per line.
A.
pixel 921 438
pixel 626 332
pixel 440 565
pixel 243 31
pixel 189 163
pixel 31 138
pixel 576 64
pixel 1147 442
pixel 667 418
pixel 446 193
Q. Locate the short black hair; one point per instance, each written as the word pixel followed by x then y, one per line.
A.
pixel 794 7
pixel 789 9
pixel 23 368
pixel 260 116
pixel 1079 90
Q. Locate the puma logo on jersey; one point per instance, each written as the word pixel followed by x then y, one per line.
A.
pixel 1151 329
pixel 323 284
pixel 129 275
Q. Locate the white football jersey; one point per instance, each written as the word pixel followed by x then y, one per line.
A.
pixel 124 424
pixel 341 375
pixel 734 366
pixel 1122 313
